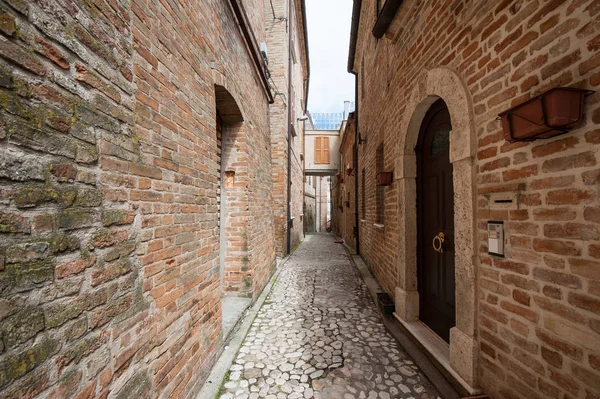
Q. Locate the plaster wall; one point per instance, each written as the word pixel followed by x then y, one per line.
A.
pixel 334 155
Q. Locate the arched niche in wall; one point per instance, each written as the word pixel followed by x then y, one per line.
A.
pixel 232 136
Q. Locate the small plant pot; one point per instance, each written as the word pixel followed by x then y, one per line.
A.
pixel 546 115
pixel 386 302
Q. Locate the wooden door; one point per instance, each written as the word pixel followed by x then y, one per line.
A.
pixel 435 208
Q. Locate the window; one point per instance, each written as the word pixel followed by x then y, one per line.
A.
pixel 380 193
pixel 321 150
pixel 362 195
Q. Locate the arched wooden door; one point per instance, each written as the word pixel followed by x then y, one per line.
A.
pixel 435 207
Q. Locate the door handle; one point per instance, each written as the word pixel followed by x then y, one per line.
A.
pixel 438 241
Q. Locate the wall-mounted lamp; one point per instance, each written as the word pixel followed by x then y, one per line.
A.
pixel 361 139
pixel 264 52
pixel 302 118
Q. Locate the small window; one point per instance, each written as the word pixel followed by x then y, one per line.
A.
pixel 380 193
pixel 441 141
pixel 322 150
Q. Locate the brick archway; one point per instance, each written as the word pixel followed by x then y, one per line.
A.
pixel 231 135
pixel 445 84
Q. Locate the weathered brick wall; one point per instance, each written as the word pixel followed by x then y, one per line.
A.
pixel 378 242
pixel 261 230
pixel 337 214
pixel 68 262
pixel 297 199
pixel 343 219
pixel 278 66
pixel 109 282
pixel 279 55
pixel 310 202
pixel 234 212
pixel 299 74
pixel 322 191
pixel 538 307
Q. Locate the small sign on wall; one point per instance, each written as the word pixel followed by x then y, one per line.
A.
pixel 496 238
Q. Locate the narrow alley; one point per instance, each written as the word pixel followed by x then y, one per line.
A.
pixel 206 195
pixel 319 335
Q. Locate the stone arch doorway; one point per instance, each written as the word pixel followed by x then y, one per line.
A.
pixel 435 222
pixel 232 200
pixel 459 357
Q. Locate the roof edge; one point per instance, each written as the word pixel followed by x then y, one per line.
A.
pixel 354 34
pixel 306 51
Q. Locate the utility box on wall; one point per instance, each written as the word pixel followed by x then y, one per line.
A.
pixel 496 238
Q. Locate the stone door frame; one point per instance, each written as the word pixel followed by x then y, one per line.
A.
pixel 431 85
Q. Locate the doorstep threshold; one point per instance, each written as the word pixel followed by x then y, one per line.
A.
pixel 447 388
pixel 437 348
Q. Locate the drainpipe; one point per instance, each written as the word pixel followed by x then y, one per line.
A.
pixel 356 170
pixel 289 130
pixel 356 7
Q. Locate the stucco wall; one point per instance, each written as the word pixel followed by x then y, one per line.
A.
pixel 334 145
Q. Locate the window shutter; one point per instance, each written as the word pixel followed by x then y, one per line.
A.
pixel 317 150
pixel 322 150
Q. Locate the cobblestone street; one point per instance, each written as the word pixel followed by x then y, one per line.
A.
pixel 319 335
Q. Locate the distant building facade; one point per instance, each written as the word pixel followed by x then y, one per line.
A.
pixel 321 152
pixel 288 64
pixel 343 220
pixel 311 204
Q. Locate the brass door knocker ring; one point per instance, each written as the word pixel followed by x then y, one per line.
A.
pixel 438 240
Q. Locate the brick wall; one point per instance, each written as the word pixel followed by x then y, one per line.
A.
pixel 538 324
pixel 109 248
pixel 323 206
pixel 234 212
pixel 343 218
pixel 279 55
pixel 310 203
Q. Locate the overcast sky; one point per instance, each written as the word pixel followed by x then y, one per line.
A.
pixel 328 40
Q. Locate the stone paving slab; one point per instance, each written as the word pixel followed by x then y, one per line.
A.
pixel 318 335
